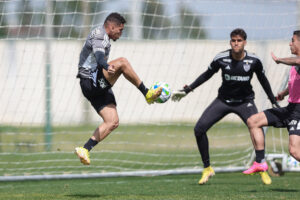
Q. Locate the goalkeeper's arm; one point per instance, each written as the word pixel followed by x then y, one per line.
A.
pixel 179 94
pixel 267 88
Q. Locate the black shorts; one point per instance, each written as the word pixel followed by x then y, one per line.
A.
pixel 98 97
pixel 288 117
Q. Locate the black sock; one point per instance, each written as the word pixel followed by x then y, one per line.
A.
pixel 90 144
pixel 143 89
pixel 202 142
pixel 260 156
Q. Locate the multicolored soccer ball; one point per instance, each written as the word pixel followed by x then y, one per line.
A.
pixel 165 94
pixel 293 163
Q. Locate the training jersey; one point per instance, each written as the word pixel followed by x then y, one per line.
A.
pixel 236 77
pixel 97 40
pixel 294 85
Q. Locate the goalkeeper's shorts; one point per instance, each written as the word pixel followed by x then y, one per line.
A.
pixel 98 97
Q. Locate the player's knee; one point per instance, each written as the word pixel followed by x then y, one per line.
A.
pixel 198 131
pixel 123 61
pixel 251 122
pixel 113 125
pixel 121 64
pixel 294 153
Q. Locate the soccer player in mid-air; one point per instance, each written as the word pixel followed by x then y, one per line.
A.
pixel 97 76
pixel 235 94
pixel 288 116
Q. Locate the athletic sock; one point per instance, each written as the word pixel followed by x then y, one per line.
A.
pixel 260 156
pixel 143 89
pixel 202 143
pixel 90 144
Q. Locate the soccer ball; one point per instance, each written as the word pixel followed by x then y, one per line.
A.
pixel 165 94
pixel 292 162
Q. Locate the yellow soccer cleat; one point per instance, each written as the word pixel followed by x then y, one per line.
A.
pixel 83 154
pixel 152 94
pixel 206 174
pixel 265 178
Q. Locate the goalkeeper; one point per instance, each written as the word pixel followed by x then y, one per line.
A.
pixel 234 96
pixel 97 76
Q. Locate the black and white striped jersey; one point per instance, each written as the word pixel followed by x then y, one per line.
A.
pixel 97 40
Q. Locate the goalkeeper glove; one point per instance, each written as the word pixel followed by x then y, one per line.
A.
pixel 275 103
pixel 179 94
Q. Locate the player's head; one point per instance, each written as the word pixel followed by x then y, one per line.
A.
pixel 114 25
pixel 238 40
pixel 295 43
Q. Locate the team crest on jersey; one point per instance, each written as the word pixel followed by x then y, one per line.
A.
pixel 246 66
pixel 102 83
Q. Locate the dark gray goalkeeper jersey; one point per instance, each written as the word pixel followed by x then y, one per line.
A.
pixel 97 40
pixel 236 77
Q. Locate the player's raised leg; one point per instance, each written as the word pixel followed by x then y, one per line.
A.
pixel 122 66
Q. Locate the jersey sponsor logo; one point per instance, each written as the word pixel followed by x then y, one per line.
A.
pixel 227 60
pixel 99 49
pixel 227 67
pixel 236 78
pixel 102 83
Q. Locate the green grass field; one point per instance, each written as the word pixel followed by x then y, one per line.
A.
pixel 173 187
pixel 131 147
pixel 137 147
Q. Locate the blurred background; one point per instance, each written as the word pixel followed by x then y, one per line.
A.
pixel 150 19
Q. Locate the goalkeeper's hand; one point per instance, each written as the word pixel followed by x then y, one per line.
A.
pixel 177 95
pixel 275 105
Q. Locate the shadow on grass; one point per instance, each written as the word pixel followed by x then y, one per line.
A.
pixel 82 196
pixel 277 190
pixel 284 190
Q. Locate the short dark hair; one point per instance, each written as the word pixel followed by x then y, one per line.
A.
pixel 297 33
pixel 115 18
pixel 240 32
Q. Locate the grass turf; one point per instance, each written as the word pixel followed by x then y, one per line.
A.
pixel 221 186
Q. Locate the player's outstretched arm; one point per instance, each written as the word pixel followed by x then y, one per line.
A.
pixel 177 95
pixel 292 61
